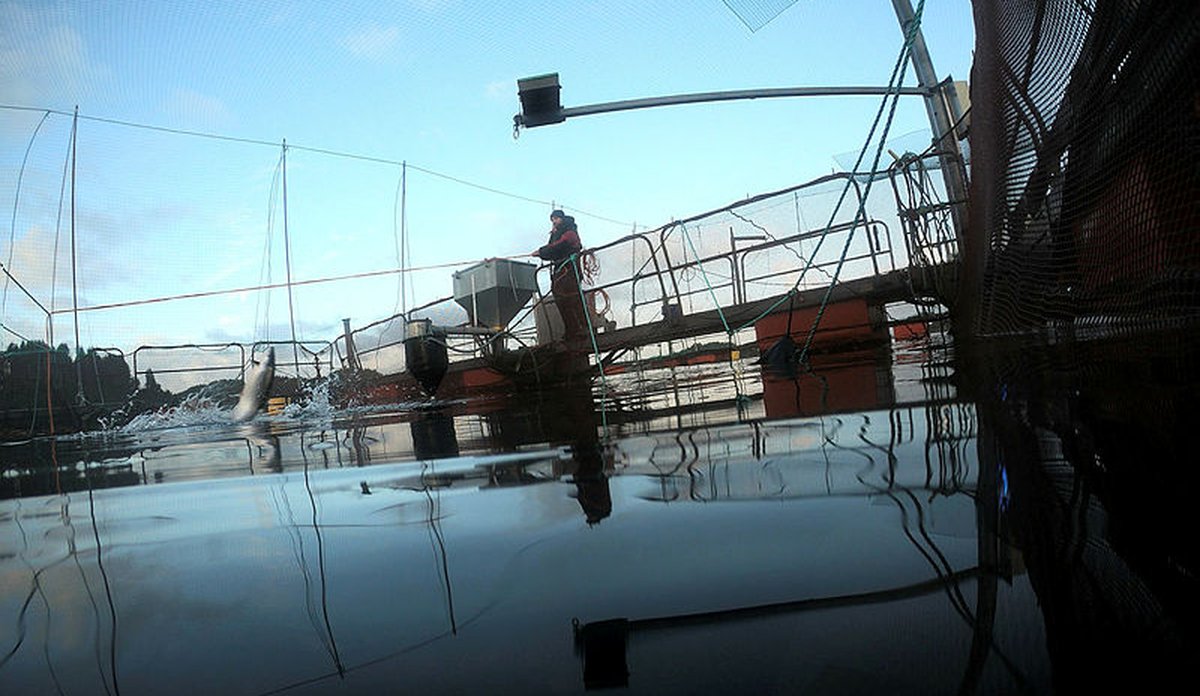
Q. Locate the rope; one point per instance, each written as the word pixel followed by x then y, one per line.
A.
pixel 269 286
pixel 262 311
pixel 12 331
pixel 589 265
pixel 595 347
pixel 314 150
pixel 287 262
pixel 12 229
pixel 704 275
pixel 901 69
pixel 894 85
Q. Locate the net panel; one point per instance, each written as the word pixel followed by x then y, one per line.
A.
pixel 752 250
pixel 1085 138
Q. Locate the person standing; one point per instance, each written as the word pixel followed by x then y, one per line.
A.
pixel 563 252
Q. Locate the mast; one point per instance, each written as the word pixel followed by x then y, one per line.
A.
pixel 79 398
pixel 287 262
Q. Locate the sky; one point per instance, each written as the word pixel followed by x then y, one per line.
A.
pixel 185 106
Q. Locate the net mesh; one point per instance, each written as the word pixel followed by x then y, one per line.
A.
pixel 1085 190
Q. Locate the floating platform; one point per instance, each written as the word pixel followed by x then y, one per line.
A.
pixel 853 319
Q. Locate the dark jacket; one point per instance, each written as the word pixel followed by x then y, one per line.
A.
pixel 564 241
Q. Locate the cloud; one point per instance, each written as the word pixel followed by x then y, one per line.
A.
pixel 239 329
pixel 501 89
pixel 43 61
pixel 30 260
pixel 374 43
pixel 197 110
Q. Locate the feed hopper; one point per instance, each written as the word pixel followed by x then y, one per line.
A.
pixel 493 291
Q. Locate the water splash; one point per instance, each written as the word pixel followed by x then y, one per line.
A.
pixel 313 405
pixel 196 410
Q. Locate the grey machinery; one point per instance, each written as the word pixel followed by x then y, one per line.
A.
pixel 492 292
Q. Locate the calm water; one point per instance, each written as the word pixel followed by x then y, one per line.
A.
pixel 899 520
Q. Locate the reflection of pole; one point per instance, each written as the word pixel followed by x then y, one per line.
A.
pixel 945 142
pixel 362 455
pixel 986 514
pixel 112 607
pixel 435 528
pixel 329 639
pixel 268 443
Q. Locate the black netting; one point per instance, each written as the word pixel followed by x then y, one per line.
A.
pixel 1085 186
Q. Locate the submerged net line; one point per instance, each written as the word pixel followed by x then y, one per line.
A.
pixel 1085 177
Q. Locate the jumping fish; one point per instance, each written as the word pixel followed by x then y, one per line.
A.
pixel 254 391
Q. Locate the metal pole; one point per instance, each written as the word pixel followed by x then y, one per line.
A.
pixel 352 360
pixel 737 295
pixel 287 256
pixel 939 119
pixel 403 236
pixel 733 95
pixel 79 398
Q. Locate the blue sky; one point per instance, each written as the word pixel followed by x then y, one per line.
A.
pixel 430 82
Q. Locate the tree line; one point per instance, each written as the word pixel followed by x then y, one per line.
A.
pixel 44 389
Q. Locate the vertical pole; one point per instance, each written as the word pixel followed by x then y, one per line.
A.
pixel 351 352
pixel 74 275
pixel 403 237
pixel 474 304
pixel 287 258
pixel 737 283
pixel 939 119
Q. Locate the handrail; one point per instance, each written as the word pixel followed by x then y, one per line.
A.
pixel 658 268
pixel 736 257
pixel 216 347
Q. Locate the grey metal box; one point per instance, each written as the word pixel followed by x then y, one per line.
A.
pixel 496 289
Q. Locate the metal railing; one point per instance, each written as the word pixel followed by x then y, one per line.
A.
pixel 665 270
pixel 295 366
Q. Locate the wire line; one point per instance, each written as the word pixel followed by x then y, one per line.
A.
pixel 314 150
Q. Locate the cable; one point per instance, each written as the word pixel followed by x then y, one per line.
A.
pixel 13 332
pixel 595 347
pixel 704 275
pixel 894 85
pixel 265 269
pixel 861 213
pixel 272 286
pixel 12 229
pixel 314 150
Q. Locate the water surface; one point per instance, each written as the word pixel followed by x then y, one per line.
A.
pixel 898 520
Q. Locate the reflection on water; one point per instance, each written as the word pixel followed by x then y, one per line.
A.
pixel 1014 522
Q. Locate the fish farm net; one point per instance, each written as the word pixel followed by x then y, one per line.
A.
pixel 1085 187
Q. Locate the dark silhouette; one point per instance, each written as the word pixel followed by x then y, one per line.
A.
pixel 591 483
pixel 43 388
